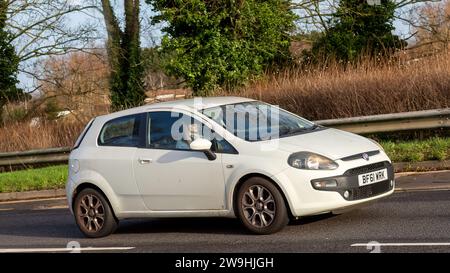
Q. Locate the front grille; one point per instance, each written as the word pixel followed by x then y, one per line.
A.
pixel 370 190
pixel 367 168
pixel 360 155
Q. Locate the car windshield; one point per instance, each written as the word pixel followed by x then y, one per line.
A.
pixel 256 121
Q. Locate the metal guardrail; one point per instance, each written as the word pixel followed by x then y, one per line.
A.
pixel 429 119
pixel 19 160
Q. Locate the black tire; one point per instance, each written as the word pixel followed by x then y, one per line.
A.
pixel 89 215
pixel 261 222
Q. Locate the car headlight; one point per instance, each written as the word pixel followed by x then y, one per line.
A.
pixel 311 161
pixel 378 144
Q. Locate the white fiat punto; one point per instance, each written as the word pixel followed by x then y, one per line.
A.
pixel 219 156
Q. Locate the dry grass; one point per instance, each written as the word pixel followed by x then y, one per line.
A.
pixel 337 92
pixel 315 93
pixel 23 136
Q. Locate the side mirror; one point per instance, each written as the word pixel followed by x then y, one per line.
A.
pixel 200 144
pixel 204 145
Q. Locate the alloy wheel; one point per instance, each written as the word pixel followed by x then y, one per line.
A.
pixel 258 206
pixel 91 212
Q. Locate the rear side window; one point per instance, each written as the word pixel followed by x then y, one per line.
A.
pixel 122 132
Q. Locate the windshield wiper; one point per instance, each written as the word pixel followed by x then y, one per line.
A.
pixel 314 127
pixel 295 131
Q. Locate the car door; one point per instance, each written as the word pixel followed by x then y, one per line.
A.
pixel 113 158
pixel 169 175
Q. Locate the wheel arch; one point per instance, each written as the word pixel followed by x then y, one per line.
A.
pixel 88 185
pixel 256 174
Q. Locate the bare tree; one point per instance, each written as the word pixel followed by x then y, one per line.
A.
pixel 43 28
pixel 76 82
pixel 433 26
pixel 315 14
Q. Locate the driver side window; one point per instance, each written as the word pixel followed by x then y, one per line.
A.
pixel 172 130
pixel 175 131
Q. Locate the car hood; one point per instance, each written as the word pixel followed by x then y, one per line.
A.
pixel 332 143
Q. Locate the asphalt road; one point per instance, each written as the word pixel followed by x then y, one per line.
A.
pixel 411 221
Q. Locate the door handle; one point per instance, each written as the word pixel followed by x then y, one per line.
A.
pixel 144 161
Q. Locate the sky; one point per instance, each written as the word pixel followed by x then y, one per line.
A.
pixel 151 34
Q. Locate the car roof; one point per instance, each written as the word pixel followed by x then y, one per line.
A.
pixel 197 103
pixel 200 103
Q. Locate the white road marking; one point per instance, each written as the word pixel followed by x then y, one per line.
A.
pixel 65 249
pixel 401 244
pixel 50 207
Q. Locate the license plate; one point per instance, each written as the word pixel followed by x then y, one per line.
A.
pixel 372 177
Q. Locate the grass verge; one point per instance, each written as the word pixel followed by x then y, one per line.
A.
pixel 436 148
pixel 34 179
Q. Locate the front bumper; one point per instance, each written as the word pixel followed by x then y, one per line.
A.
pixel 304 199
pixel 348 187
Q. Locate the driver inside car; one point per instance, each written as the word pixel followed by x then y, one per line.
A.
pixel 190 133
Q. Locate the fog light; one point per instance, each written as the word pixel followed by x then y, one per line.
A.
pixel 346 194
pixel 392 183
pixel 325 184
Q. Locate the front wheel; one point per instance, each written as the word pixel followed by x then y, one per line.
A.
pixel 261 207
pixel 93 214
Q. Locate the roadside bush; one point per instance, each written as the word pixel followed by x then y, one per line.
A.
pixel 357 28
pixel 14 112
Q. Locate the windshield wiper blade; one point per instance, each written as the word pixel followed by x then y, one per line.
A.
pixel 300 130
pixel 314 127
pixel 294 131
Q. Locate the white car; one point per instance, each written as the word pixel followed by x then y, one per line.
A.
pixel 219 156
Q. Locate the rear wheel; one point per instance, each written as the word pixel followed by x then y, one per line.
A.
pixel 93 214
pixel 261 207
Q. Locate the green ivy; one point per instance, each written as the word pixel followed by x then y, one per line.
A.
pixel 9 63
pixel 223 43
pixel 358 28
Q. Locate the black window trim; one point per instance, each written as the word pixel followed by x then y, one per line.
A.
pixel 233 151
pixel 141 134
pixel 83 134
pixel 214 141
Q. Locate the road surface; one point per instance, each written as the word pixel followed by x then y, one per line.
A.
pixel 416 221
